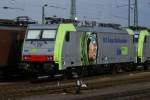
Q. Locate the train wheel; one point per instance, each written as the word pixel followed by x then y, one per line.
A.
pixel 68 73
pixel 1 74
pixel 119 69
pixel 85 71
pixel 72 72
pixel 113 69
pixel 146 67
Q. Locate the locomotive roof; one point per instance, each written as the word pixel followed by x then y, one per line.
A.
pixel 42 26
pixel 80 28
pixel 102 29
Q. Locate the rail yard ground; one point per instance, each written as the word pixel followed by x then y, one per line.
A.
pixel 132 85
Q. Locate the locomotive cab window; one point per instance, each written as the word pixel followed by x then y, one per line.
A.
pixel 33 34
pixel 48 34
pixel 68 36
pixel 41 34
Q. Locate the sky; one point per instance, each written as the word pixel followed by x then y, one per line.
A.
pixel 108 11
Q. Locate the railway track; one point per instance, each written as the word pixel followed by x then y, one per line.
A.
pixel 25 89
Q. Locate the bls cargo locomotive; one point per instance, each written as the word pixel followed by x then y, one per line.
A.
pixel 64 47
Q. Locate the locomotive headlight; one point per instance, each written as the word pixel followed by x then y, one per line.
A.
pixel 26 57
pixel 50 57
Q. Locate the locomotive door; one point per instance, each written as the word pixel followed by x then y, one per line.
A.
pixel 72 49
pixel 67 50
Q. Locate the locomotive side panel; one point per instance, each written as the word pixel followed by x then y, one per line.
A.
pixel 92 48
pixel 146 49
pixel 115 48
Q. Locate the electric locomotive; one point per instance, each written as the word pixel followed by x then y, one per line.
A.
pixel 142 48
pixel 52 48
pixel 40 48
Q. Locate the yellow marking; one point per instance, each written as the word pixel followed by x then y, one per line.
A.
pixel 33 50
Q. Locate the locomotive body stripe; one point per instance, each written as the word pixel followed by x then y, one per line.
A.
pixel 142 36
pixel 130 31
pixel 83 49
pixel 61 32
